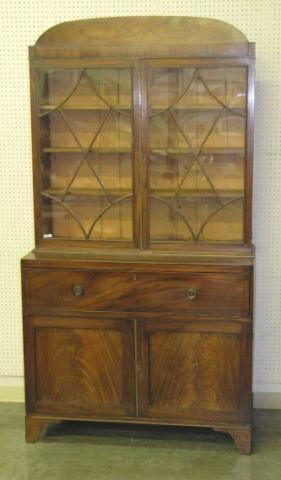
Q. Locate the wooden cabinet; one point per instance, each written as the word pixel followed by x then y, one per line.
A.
pixel 138 296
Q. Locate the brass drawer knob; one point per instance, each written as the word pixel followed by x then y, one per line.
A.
pixel 77 290
pixel 191 293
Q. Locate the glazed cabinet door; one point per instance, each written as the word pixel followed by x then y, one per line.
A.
pixel 80 366
pixel 86 180
pixel 194 140
pixel 194 371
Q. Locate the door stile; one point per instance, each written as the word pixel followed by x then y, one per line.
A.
pixel 137 156
pixel 249 153
pixel 136 367
pixel 35 129
pixel 145 159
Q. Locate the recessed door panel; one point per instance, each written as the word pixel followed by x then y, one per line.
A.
pixel 84 366
pixel 191 370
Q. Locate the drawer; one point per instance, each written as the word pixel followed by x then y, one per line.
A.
pixel 197 293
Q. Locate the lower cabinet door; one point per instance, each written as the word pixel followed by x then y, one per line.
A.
pixel 196 371
pixel 80 366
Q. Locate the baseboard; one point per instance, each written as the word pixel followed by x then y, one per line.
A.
pixel 267 400
pixel 11 394
pixel 12 390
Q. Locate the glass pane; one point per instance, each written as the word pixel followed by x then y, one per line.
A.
pixel 197 122
pixel 86 153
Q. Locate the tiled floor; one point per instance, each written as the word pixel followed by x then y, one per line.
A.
pixel 82 451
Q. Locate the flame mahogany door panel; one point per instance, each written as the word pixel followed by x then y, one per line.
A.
pixel 81 366
pixel 194 370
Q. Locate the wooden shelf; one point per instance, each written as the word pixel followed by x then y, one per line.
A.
pixel 94 149
pixel 48 107
pixel 196 193
pixel 163 193
pixel 159 151
pixel 210 150
pixel 88 192
pixel 197 108
pixel 189 108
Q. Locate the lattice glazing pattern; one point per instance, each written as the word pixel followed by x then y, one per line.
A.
pixel 86 145
pixel 197 122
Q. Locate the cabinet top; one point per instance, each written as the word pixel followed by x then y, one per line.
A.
pixel 144 36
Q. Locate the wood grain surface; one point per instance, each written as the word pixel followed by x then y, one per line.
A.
pixel 135 292
pixel 84 366
pixel 191 370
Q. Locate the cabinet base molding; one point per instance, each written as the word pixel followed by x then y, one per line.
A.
pixel 242 437
pixel 34 426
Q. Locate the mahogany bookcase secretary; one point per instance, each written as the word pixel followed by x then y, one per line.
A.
pixel 137 299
